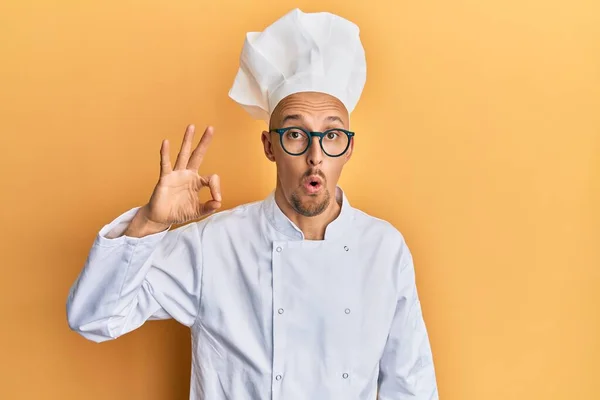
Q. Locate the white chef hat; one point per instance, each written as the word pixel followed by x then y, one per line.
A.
pixel 300 52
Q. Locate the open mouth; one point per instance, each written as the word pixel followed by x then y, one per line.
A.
pixel 313 184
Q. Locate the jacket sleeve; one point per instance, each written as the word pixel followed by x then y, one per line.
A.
pixel 406 370
pixel 126 281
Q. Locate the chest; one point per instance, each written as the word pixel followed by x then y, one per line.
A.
pixel 338 291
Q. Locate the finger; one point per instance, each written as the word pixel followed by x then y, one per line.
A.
pixel 214 184
pixel 209 207
pixel 165 161
pixel 186 148
pixel 200 150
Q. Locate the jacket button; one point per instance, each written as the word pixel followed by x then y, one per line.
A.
pixel 278 377
pixel 280 311
pixel 279 249
pixel 347 311
pixel 345 375
pixel 346 248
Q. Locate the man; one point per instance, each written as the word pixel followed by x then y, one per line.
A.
pixel 298 296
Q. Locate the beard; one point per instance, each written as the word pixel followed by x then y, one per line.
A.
pixel 312 207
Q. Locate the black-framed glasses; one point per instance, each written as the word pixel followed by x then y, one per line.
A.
pixel 296 141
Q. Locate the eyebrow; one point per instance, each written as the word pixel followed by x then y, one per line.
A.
pixel 334 118
pixel 298 117
pixel 292 117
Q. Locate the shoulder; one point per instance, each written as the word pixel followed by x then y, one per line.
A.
pixel 379 227
pixel 234 218
pixel 382 234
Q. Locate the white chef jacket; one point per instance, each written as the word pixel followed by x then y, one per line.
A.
pixel 272 315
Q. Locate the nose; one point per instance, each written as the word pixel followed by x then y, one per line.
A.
pixel 314 154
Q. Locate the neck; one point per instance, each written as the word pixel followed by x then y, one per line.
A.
pixel 313 228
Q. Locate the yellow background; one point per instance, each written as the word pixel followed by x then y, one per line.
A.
pixel 478 136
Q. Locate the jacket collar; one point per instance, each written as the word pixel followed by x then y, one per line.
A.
pixel 336 228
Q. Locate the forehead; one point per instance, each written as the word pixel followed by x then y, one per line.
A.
pixel 310 105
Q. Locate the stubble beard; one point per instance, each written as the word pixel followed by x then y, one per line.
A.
pixel 311 208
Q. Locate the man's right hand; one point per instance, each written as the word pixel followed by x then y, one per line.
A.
pixel 175 198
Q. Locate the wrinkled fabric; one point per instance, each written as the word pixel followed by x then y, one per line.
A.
pixel 271 315
pixel 300 52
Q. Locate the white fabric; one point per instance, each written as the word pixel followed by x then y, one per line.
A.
pixel 300 52
pixel 272 315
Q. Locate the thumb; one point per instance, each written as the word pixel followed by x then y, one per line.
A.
pixel 209 207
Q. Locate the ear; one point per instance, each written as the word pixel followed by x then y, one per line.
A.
pixel 268 145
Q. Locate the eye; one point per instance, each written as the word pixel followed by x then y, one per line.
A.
pixel 295 134
pixel 332 135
